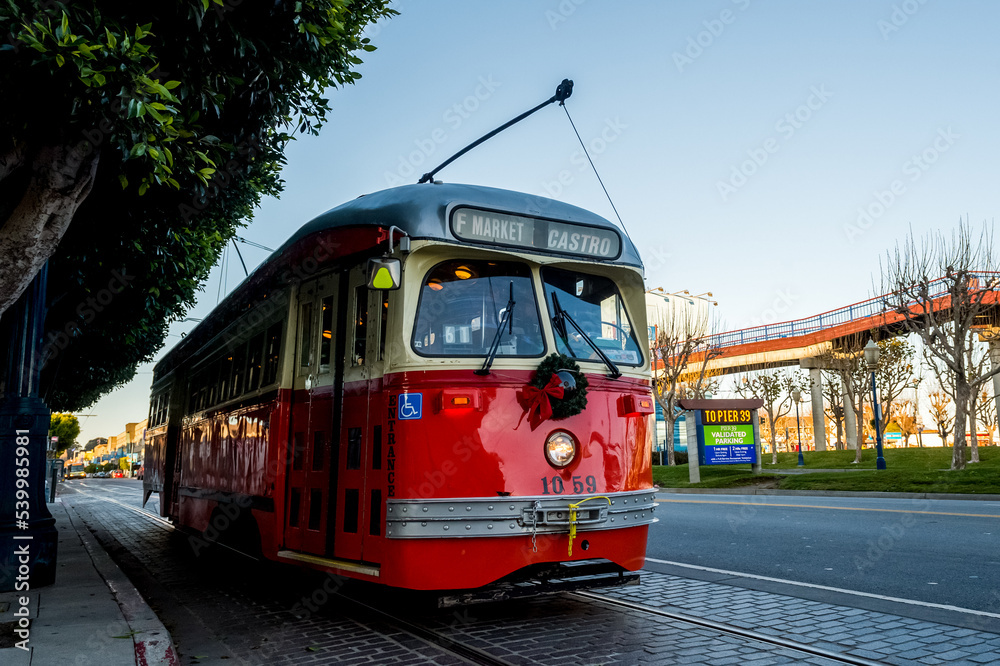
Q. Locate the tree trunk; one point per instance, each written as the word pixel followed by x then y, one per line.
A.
pixel 840 435
pixel 669 420
pixel 974 435
pixel 961 414
pixel 774 438
pixel 61 178
pixel 861 432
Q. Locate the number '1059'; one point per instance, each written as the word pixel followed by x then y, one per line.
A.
pixel 555 485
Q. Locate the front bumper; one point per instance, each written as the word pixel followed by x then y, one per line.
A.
pixel 516 516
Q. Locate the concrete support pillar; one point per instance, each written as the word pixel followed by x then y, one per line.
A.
pixel 850 425
pixel 755 419
pixel 694 471
pixel 819 418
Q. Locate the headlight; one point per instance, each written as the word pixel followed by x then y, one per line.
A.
pixel 560 449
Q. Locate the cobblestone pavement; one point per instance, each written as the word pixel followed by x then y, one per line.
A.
pixel 223 609
pixel 870 635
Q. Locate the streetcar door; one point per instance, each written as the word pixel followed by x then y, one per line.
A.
pixel 360 499
pixel 311 442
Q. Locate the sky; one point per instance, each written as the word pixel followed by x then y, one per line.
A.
pixel 770 153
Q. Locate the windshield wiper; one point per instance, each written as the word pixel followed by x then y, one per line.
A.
pixel 559 319
pixel 506 320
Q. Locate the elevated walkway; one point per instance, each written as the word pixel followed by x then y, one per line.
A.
pixel 813 342
pixel 843 330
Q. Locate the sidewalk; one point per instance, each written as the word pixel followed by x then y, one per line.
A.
pixel 91 615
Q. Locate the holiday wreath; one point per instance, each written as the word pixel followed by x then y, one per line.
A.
pixel 558 390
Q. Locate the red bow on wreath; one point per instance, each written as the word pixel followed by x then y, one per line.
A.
pixel 539 406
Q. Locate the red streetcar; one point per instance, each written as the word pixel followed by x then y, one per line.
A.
pixel 434 387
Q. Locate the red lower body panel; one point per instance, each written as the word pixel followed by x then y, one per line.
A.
pixel 442 564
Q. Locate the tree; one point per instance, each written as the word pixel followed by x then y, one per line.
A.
pixel 940 413
pixel 67 428
pixel 94 443
pixel 892 374
pixel 157 129
pixel 904 415
pixel 942 290
pixel 681 357
pixel 987 412
pixel 976 361
pixel 775 388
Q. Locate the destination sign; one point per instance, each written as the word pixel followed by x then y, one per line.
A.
pixel 481 226
pixel 726 416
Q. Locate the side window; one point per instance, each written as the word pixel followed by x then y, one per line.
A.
pixel 306 336
pixel 255 356
pixel 271 354
pixel 360 325
pixel 222 372
pixel 239 370
pixel 326 333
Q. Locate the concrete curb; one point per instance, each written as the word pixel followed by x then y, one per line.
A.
pixel 153 644
pixel 751 490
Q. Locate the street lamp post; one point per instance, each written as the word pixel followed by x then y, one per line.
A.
pixel 796 396
pixel 872 355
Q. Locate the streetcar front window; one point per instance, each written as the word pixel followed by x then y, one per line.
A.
pixel 462 303
pixel 596 305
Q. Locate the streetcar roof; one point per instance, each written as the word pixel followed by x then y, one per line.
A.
pixel 422 211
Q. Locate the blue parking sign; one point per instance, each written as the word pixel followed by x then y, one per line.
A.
pixel 411 406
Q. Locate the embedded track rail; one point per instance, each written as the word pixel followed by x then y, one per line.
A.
pixel 732 630
pixel 465 652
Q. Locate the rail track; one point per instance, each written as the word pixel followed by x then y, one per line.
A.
pixel 731 630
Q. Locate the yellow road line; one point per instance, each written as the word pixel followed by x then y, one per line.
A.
pixel 835 508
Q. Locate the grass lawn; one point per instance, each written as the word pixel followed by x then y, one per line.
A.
pixel 907 470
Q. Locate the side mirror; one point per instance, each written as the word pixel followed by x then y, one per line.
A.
pixel 384 273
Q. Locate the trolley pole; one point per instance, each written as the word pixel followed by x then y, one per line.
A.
pixel 28 535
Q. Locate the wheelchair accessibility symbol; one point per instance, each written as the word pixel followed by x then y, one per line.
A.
pixel 411 406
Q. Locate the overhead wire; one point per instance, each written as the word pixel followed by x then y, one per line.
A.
pixel 592 166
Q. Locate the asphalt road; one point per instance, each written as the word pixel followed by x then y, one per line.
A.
pixel 935 551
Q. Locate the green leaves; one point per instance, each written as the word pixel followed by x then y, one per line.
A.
pixel 191 108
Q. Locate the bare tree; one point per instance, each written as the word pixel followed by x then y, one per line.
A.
pixel 940 413
pixel 681 356
pixel 977 363
pixel 904 415
pixel 977 360
pixel 775 388
pixel 941 290
pixel 987 412
pixel 892 375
